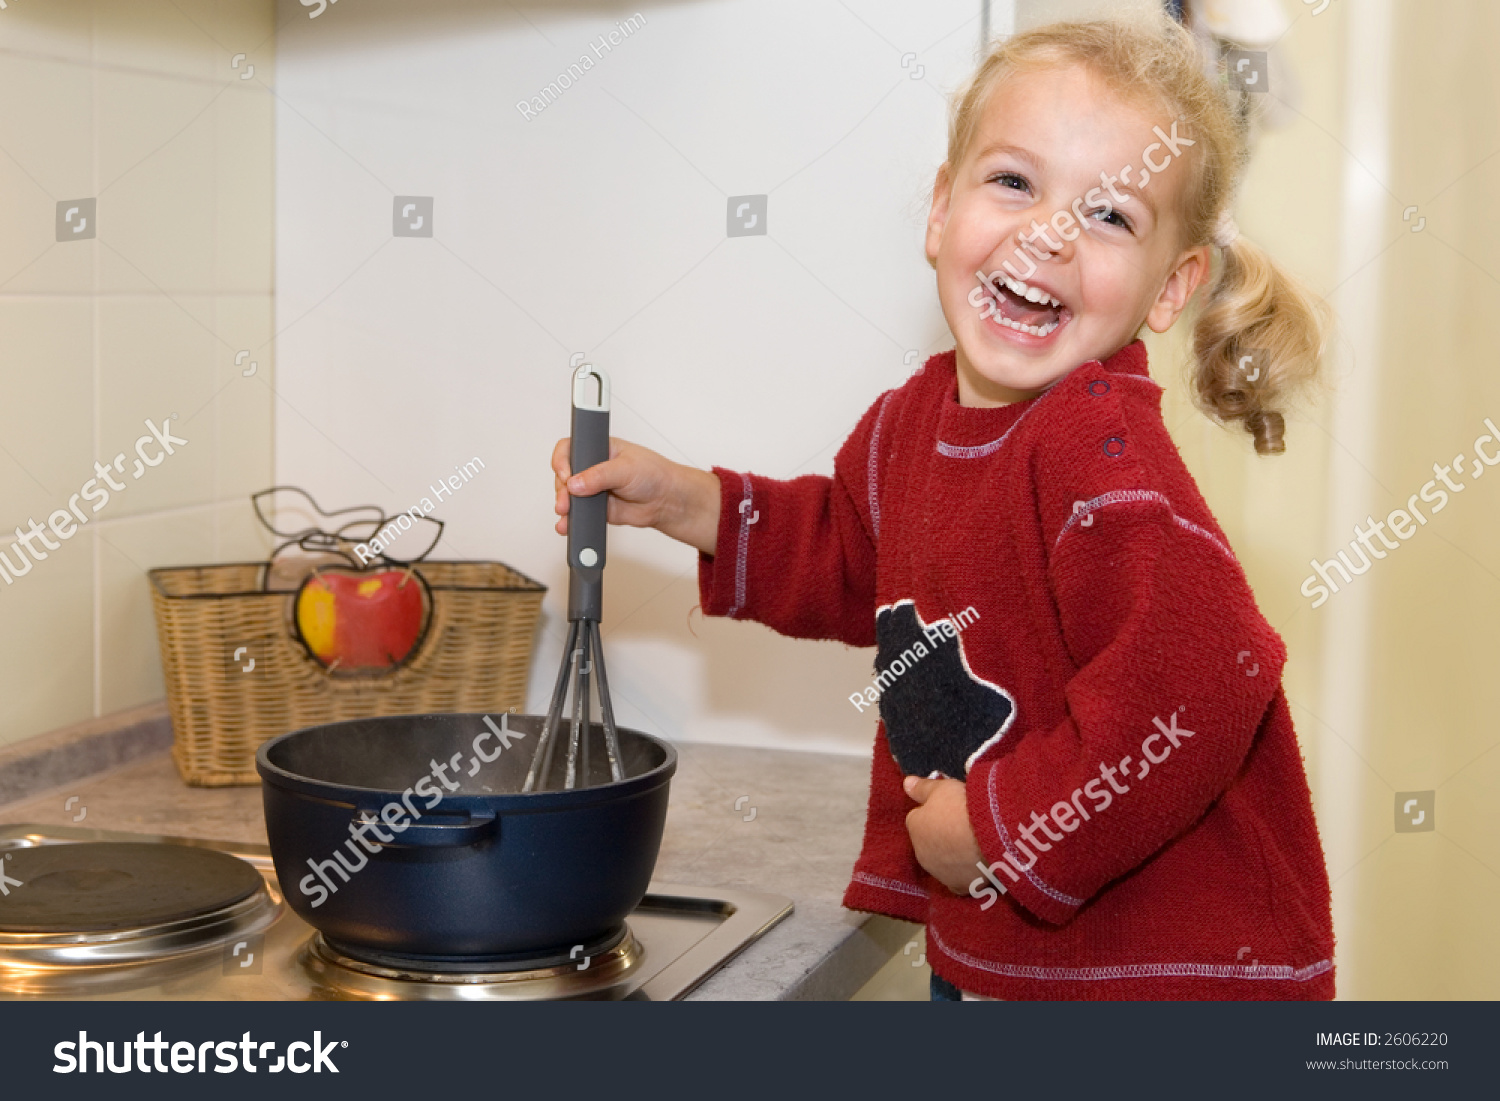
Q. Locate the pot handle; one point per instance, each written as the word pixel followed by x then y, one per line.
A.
pixel 480 826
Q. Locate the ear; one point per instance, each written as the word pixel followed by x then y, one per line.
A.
pixel 1191 272
pixel 937 217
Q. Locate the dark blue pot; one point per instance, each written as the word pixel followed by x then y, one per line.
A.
pixel 463 864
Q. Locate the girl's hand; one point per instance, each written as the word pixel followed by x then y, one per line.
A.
pixel 646 490
pixel 940 832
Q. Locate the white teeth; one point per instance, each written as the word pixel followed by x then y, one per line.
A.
pixel 1030 293
pixel 1034 330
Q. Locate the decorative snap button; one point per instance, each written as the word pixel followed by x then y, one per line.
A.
pixel 1114 447
pixel 1098 388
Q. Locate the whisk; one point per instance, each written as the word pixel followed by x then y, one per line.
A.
pixel 584 654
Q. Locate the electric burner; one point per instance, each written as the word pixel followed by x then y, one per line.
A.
pixel 105 904
pixel 104 914
pixel 460 965
pixel 106 887
pixel 592 971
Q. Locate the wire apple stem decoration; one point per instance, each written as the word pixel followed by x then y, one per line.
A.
pixel 359 619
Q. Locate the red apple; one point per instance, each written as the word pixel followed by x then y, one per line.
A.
pixel 355 620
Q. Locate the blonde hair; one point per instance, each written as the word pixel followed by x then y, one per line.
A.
pixel 1253 308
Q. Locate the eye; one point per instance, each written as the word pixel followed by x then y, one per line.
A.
pixel 1113 217
pixel 1010 181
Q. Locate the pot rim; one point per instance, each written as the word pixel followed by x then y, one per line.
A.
pixel 503 802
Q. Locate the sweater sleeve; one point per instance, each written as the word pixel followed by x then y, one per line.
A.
pixel 799 555
pixel 1173 669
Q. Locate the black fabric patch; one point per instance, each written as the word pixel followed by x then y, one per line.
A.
pixel 936 712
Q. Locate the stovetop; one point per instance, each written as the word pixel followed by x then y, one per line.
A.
pixel 259 950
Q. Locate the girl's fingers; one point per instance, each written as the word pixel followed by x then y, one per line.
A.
pixel 560 458
pixel 607 475
pixel 919 787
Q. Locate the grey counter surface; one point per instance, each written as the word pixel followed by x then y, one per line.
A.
pixel 767 820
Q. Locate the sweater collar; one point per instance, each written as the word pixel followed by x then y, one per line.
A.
pixel 969 426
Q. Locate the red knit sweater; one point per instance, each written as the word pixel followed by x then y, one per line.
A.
pixel 1105 687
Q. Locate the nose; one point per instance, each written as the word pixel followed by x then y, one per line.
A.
pixel 1044 241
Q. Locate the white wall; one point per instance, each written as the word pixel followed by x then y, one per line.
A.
pixel 598 227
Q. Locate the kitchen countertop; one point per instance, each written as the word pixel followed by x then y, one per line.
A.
pixel 795 832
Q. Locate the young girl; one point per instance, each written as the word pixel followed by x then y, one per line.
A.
pixel 1086 783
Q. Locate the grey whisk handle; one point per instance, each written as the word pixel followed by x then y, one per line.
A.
pixel 587 518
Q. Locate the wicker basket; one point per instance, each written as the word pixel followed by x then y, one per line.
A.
pixel 236 675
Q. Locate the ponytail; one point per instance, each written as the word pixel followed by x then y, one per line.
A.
pixel 1257 340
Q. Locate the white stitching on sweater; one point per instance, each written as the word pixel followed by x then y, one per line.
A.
pixel 1137 378
pixel 889 884
pixel 1036 881
pixel 871 466
pixel 1130 496
pixel 743 554
pixel 979 451
pixel 1139 970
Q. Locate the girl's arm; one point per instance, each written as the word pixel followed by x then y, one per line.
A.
pixel 647 491
pixel 798 556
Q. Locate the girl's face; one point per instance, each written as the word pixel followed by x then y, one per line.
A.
pixel 1076 250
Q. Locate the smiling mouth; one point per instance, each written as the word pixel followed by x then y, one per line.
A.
pixel 1025 308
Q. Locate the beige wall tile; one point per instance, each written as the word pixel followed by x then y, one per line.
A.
pixel 242 411
pixel 46 413
pixel 47 124
pixel 46 650
pixel 130 663
pixel 130 670
pixel 156 360
pixel 28 260
pixel 153 35
pixel 244 188
pixel 156 173
pixel 61 30
pixel 240 537
pixel 239 26
pixel 134 103
pixel 46 156
pixel 130 666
